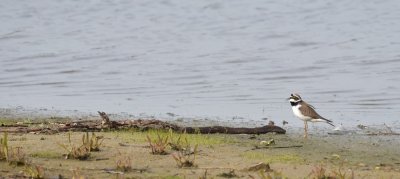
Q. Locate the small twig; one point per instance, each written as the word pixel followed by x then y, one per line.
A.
pixel 114 172
pixel 215 168
pixel 382 133
pixel 97 159
pixel 276 147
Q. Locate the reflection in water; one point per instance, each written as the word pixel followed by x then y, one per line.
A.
pixel 214 59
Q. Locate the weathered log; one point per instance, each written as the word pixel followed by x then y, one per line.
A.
pixel 157 124
pixel 106 123
pixel 231 130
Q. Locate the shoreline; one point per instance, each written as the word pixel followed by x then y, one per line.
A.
pixel 21 113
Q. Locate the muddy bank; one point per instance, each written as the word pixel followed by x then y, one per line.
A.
pixel 217 155
pixel 40 114
pixel 355 153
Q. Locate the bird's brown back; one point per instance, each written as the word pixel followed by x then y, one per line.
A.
pixel 307 110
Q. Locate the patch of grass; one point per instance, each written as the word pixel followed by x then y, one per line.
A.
pixel 94 143
pixel 176 141
pixel 158 145
pixel 210 139
pixel 318 172
pixel 4 147
pixel 7 121
pixel 76 174
pixel 124 164
pixel 27 121
pixel 45 154
pixel 271 175
pixel 186 155
pixel 204 176
pixel 17 157
pixel 18 139
pixel 81 153
pixel 172 177
pixel 341 173
pixel 34 171
pixel 14 156
pixel 338 170
pixel 200 139
pixel 267 158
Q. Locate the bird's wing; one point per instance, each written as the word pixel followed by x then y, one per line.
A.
pixel 308 110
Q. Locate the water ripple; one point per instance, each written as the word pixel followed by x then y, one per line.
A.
pixel 203 58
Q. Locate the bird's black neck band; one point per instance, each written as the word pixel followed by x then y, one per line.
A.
pixel 294 103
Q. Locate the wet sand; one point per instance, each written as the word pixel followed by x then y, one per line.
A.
pixel 218 154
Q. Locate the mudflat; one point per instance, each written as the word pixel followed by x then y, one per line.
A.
pixel 127 154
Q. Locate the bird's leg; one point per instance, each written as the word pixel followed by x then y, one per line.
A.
pixel 305 129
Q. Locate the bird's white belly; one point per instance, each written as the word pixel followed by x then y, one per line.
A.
pixel 298 114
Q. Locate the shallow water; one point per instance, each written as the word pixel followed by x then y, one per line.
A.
pixel 222 60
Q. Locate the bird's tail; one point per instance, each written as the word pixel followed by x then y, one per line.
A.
pixel 324 120
pixel 329 122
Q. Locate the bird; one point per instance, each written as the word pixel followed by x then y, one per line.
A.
pixel 305 112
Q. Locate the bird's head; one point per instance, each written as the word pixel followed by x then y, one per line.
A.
pixel 294 98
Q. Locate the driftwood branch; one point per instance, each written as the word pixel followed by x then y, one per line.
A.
pixel 231 130
pixel 277 147
pixel 106 123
